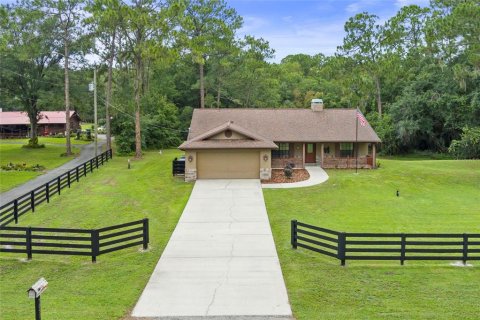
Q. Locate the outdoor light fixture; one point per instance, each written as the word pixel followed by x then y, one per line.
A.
pixel 34 293
pixel 265 157
pixel 190 158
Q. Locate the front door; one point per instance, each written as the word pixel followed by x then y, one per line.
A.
pixel 310 153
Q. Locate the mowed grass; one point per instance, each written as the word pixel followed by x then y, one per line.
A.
pixel 49 140
pixel 435 196
pixel 49 157
pixel 108 289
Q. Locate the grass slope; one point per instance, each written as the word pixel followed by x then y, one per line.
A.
pixel 435 196
pixel 77 288
pixel 49 157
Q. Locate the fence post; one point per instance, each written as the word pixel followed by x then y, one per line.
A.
pixel 58 185
pixel 28 239
pixel 32 200
pixel 95 245
pixel 402 248
pixel 76 174
pixel 68 178
pixel 293 234
pixel 85 169
pixel 465 248
pixel 15 210
pixel 96 162
pixel 47 191
pixel 146 239
pixel 106 155
pixel 91 165
pixel 341 247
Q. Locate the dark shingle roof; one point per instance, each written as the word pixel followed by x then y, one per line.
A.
pixel 286 125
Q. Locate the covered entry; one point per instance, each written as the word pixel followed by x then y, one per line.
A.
pixel 228 164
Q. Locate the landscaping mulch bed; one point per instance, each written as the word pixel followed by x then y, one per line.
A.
pixel 279 177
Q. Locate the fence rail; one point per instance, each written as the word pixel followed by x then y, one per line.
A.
pixel 11 211
pixel 78 242
pixel 385 246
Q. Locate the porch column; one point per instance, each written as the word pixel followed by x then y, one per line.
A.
pixel 303 154
pixel 374 155
pixel 321 155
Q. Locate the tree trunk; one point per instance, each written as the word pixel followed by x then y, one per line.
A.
pixel 138 97
pixel 202 86
pixel 219 88
pixel 379 95
pixel 33 116
pixel 67 97
pixel 109 91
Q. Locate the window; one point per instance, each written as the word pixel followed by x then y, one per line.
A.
pixel 346 149
pixel 326 150
pixel 283 151
pixel 309 147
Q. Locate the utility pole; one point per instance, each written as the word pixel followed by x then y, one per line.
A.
pixel 95 109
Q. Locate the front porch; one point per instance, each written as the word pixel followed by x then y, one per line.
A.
pixel 341 155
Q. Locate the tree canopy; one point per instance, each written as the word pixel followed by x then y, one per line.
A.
pixel 415 76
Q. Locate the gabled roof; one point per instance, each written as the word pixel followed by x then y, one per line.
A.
pixel 47 117
pixel 251 141
pixel 286 125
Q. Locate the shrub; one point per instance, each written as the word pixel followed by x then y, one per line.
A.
pixel 288 171
pixel 22 167
pixel 468 147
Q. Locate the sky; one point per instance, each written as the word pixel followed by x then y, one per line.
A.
pixel 308 26
pixel 305 26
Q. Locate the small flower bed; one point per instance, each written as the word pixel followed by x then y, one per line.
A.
pixel 278 176
pixel 21 167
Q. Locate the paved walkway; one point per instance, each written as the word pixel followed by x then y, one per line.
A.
pixel 220 260
pixel 317 176
pixel 86 152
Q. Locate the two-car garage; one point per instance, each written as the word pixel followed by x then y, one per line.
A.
pixel 228 164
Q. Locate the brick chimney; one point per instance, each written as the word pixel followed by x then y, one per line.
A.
pixel 317 105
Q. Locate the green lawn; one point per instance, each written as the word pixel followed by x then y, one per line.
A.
pixel 49 157
pixel 435 196
pixel 108 289
pixel 48 140
pixel 86 125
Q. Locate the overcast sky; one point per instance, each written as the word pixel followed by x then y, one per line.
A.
pixel 305 26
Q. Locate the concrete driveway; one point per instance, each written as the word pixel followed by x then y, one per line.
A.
pixel 221 259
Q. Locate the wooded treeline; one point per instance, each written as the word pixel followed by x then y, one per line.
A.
pixel 416 76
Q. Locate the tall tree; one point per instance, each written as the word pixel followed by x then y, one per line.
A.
pixel 363 42
pixel 208 26
pixel 146 29
pixel 68 14
pixel 105 21
pixel 27 59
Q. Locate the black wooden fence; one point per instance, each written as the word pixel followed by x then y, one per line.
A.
pixel 385 246
pixel 74 242
pixel 16 208
pixel 178 167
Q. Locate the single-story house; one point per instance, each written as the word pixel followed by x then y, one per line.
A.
pixel 249 143
pixel 17 124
